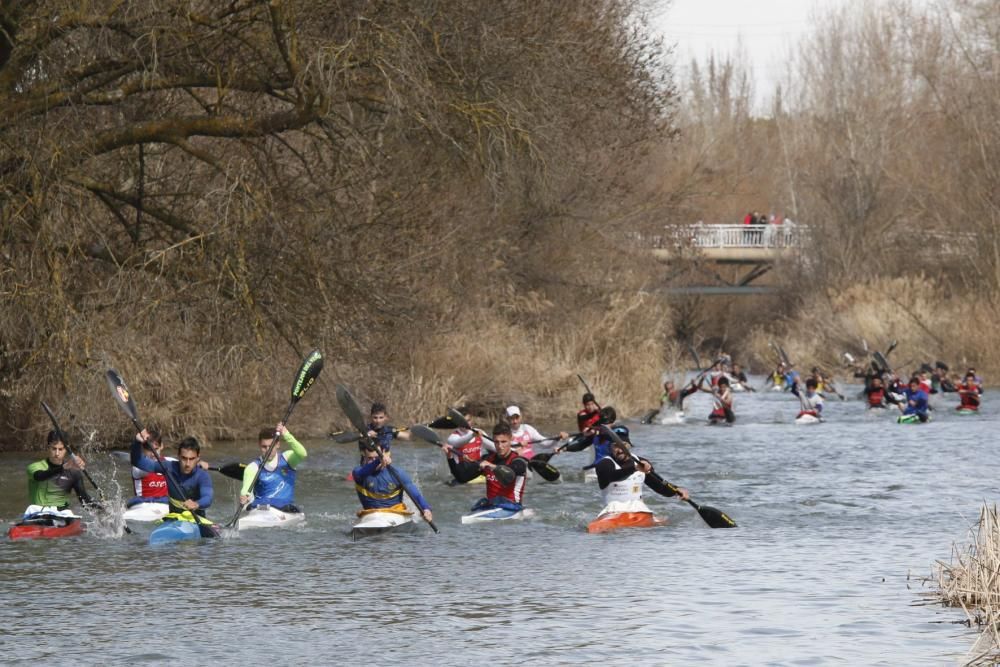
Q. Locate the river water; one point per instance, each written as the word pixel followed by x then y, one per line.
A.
pixel 837 524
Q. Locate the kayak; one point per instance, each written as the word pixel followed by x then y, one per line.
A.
pixel 45 523
pixel 174 531
pixel 671 417
pixel 373 522
pixel 911 419
pixel 266 516
pixel 497 514
pixel 966 411
pixel 146 512
pixel 808 419
pixel 605 523
pixel 589 475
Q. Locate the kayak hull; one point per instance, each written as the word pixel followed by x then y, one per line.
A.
pixel 497 514
pixel 72 528
pixel 376 523
pixel 965 412
pixel 269 517
pixel 911 419
pixel 174 531
pixel 808 419
pixel 607 523
pixel 146 512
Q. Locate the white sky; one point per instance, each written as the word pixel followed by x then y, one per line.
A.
pixel 769 30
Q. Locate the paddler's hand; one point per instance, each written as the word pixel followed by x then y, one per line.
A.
pixel 191 505
pixel 486 465
pixel 280 429
pixel 386 460
pixel 74 462
pixel 244 499
pixel 643 466
pixel 563 435
pixel 371 434
pixel 682 494
pixel 143 437
pixel 428 516
pixel 447 449
pixel 204 465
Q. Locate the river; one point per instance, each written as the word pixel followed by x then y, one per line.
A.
pixel 837 524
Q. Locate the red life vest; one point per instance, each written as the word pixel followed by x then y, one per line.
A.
pixel 585 420
pixel 514 491
pixel 153 485
pixel 876 396
pixel 969 396
pixel 472 450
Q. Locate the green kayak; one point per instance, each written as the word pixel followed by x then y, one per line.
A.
pixel 911 419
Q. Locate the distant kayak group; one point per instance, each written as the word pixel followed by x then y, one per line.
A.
pixel 883 389
pixel 176 492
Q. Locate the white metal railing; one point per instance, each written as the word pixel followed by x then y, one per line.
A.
pixel 785 235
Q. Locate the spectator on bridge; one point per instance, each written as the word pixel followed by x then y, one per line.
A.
pixel 748 224
pixel 758 228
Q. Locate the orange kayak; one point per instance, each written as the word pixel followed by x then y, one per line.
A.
pixel 608 522
pixel 36 531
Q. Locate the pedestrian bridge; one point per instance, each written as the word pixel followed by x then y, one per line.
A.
pixel 737 244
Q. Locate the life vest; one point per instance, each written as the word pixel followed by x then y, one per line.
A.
pixel 274 487
pixel 514 492
pixel 585 420
pixel 472 450
pixel 150 485
pixel 968 396
pixel 624 495
pixel 384 435
pixel 523 437
pixel 876 397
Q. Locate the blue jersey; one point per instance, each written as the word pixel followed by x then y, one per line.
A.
pixel 274 487
pixel 384 435
pixel 920 402
pixel 379 489
pixel 196 486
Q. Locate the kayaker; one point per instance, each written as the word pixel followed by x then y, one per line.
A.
pixel 381 488
pixel 875 394
pixel 150 487
pixel 968 393
pixel 275 485
pixel 777 378
pixel 916 400
pixel 590 415
pixel 509 494
pixel 381 430
pixel 621 478
pixel 723 410
pixel 737 376
pixel 525 436
pixel 51 479
pixel 194 482
pixel 601 443
pixel 811 399
pixel 465 445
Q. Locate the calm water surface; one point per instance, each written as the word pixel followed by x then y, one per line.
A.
pixel 837 522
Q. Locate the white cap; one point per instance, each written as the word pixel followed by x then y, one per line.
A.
pixel 513 410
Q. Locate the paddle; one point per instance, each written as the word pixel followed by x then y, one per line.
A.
pixel 541 465
pixel 234 470
pixel 65 441
pixel 892 346
pixel 304 379
pixel 344 437
pixel 124 399
pixel 713 517
pixel 352 411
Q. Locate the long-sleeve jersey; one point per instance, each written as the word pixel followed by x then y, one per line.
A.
pixel 608 472
pixel 295 454
pixel 49 484
pixel 381 489
pixel 196 486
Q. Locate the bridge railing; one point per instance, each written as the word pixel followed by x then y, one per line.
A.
pixel 787 235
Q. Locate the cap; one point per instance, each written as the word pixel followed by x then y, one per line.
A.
pixel 513 410
pixel 622 432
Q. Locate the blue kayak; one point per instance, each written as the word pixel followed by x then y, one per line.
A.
pixel 174 531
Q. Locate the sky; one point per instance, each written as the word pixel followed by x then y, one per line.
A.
pixel 769 29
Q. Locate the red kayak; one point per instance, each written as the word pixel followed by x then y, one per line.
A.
pixel 608 522
pixel 41 531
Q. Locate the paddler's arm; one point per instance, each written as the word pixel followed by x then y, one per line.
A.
pixel 367 470
pixel 660 485
pixel 607 472
pixel 297 453
pixel 249 473
pixel 206 493
pixel 43 473
pixel 140 460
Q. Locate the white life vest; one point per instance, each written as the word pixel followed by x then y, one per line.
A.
pixel 624 495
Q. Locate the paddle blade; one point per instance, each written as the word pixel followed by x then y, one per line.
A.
pixel 234 469
pixel 308 372
pixel 545 470
pixel 713 517
pixel 443 422
pixel 458 419
pixel 351 409
pixel 882 362
pixel 426 434
pixel 584 383
pixel 122 395
pixel 344 437
pixel 649 416
pixel 504 474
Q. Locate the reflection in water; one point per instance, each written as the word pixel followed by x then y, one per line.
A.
pixel 832 519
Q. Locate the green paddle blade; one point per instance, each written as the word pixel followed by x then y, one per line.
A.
pixel 426 434
pixel 545 470
pixel 350 408
pixel 308 372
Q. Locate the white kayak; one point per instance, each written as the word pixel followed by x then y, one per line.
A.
pixel 269 517
pixel 374 522
pixel 146 512
pixel 497 514
pixel 670 417
pixel 589 475
pixel 808 419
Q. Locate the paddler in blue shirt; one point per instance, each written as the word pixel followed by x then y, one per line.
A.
pixel 381 430
pixel 275 486
pixel 195 483
pixel 381 488
pixel 917 400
